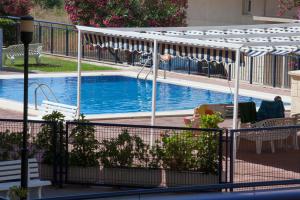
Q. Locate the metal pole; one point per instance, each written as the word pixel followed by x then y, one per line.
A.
pixel 274 70
pixel 67 41
pixel 236 104
pixel 24 155
pixel 236 89
pixel 155 62
pixel 79 73
pixel 251 70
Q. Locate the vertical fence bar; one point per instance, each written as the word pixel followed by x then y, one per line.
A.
pixel 82 47
pixel 231 165
pixel 67 153
pixel 132 58
pixel 208 69
pixel 274 63
pixel 251 71
pixel 170 64
pixel 54 142
pixel 67 41
pixel 220 155
pixel 61 154
pixel 99 53
pixel 189 65
pixel 229 73
pixel 226 155
pixel 51 39
pixel 40 32
pixel 116 56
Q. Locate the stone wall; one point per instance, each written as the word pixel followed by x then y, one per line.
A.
pixel 295 91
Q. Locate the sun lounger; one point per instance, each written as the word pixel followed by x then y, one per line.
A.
pixel 271 136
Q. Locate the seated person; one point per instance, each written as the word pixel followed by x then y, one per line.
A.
pixel 271 109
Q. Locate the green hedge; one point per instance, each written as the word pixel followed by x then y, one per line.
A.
pixel 9 31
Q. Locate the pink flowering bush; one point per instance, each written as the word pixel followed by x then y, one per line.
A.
pixel 15 7
pixel 286 5
pixel 127 13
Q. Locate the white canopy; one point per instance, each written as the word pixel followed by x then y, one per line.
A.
pixel 223 44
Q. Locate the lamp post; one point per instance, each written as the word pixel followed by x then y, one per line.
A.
pixel 26 28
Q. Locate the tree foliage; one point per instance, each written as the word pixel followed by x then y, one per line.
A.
pixel 49 4
pixel 127 13
pixel 15 7
pixel 287 5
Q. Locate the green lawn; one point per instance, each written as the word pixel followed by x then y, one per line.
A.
pixel 51 64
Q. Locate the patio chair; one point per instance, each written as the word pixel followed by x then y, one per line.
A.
pixel 207 109
pixel 271 136
pixel 247 114
pixel 270 110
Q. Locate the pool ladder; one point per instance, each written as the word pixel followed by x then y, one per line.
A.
pixel 42 87
pixel 144 66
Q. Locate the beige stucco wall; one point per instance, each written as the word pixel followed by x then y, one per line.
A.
pixel 295 91
pixel 228 12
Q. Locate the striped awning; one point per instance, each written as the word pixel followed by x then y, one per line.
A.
pixel 254 40
pixel 142 46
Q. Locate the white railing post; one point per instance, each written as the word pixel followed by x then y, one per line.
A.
pixel 79 73
pixel 155 67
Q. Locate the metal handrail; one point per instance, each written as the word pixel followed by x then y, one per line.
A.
pixel 40 86
pixel 151 70
pixel 143 67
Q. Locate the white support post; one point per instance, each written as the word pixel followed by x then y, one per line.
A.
pixel 79 73
pixel 155 67
pixel 236 89
pixel 236 104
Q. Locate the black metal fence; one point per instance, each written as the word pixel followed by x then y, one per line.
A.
pixel 265 155
pixel 122 155
pixel 143 156
pixel 146 156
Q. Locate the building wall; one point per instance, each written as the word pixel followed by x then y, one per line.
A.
pixel 228 12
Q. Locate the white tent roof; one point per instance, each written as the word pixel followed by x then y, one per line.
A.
pixel 253 40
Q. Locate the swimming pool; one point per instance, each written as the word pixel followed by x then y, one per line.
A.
pixel 117 94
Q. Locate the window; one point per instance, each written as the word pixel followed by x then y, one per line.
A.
pixel 247 7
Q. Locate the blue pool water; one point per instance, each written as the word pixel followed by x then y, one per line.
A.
pixel 117 94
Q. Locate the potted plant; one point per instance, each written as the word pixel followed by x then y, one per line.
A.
pixel 46 145
pixel 126 161
pixel 190 158
pixel 84 154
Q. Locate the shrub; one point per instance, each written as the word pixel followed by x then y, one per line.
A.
pixel 129 13
pixel 123 151
pixel 15 7
pixel 11 145
pixel 49 4
pixel 191 150
pixel 85 145
pixel 9 28
pixel 44 139
pixel 177 151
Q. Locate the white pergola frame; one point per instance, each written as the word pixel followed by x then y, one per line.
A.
pixel 130 33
